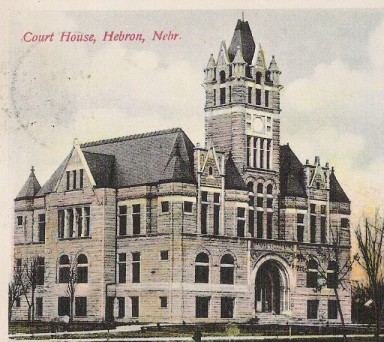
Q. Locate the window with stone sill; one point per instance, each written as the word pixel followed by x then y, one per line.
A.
pixel 74 222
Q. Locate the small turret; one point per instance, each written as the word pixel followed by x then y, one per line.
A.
pixel 259 59
pixel 210 70
pixel 30 188
pixel 239 63
pixel 274 71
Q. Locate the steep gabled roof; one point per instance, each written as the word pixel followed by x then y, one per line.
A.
pixel 291 174
pixel 154 157
pixel 336 192
pixel 102 168
pixel 50 184
pixel 233 179
pixel 30 188
pixel 242 37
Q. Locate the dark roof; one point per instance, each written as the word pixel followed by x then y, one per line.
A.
pixel 102 168
pixel 52 181
pixel 233 179
pixel 162 156
pixel 242 37
pixel 291 174
pixel 336 193
pixel 30 188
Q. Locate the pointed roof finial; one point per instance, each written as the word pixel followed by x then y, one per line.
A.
pixel 242 15
pixel 32 169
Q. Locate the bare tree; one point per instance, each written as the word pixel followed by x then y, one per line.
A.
pixel 14 293
pixel 370 238
pixel 71 286
pixel 333 268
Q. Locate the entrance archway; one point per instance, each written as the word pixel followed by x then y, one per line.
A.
pixel 271 288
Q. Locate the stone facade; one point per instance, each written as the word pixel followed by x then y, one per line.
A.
pixel 167 232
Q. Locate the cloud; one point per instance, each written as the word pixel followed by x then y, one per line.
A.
pixel 337 113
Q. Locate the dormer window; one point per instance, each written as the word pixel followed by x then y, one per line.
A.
pixel 258 77
pixel 222 76
pixel 210 171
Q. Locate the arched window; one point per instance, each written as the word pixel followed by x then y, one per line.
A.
pixel 210 171
pixel 260 188
pixel 251 195
pixel 227 269
pixel 268 76
pixel 250 186
pixel 312 273
pixel 202 268
pixel 248 71
pixel 64 266
pixel 82 269
pixel 332 275
pixel 258 77
pixel 222 76
pixel 269 189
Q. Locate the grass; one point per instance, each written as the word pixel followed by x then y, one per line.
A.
pixel 188 331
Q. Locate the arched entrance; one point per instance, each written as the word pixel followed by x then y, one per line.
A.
pixel 271 288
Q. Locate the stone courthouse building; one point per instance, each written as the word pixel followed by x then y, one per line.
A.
pixel 162 230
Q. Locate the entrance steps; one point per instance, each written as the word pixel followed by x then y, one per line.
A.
pixel 270 318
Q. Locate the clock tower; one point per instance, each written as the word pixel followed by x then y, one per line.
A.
pixel 242 115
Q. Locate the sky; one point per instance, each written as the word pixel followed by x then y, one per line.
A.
pixel 332 71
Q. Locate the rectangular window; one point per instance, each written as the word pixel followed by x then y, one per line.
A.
pixel 74 179
pixel 266 98
pixel 251 222
pixel 222 95
pixel 121 302
pixel 39 306
pixel 331 279
pixel 63 305
pixel 261 153
pixel 260 201
pixel 332 309
pixel 249 95
pixel 165 207
pixel 19 220
pixel 204 196
pixel 41 227
pixel 204 214
pixel 163 302
pixel 323 229
pixel 122 220
pixel 258 97
pixel 241 222
pixel 135 306
pixel 136 267
pixel 313 229
pixel 202 307
pixel 17 302
pixel 188 206
pixel 122 267
pixel 68 180
pixel 136 219
pixel 214 97
pixel 312 309
pixel 61 219
pixel 71 222
pixel 344 223
pixel 269 202
pixel 300 227
pixel 87 212
pixel 216 213
pixel 249 161
pixel 323 209
pixel 164 255
pixel 313 208
pixel 230 94
pixel 40 270
pixel 255 142
pixel 269 225
pixel 259 224
pixel 18 263
pixel 268 154
pixel 227 306
pixel 81 306
pixel 81 178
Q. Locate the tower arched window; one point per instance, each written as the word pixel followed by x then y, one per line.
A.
pixel 258 77
pixel 268 76
pixel 222 76
pixel 227 269
pixel 82 269
pixel 64 267
pixel 332 275
pixel 202 268
pixel 260 188
pixel 248 71
pixel 269 189
pixel 312 273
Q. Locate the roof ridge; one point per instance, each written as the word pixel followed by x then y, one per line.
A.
pixel 132 137
pixel 98 153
